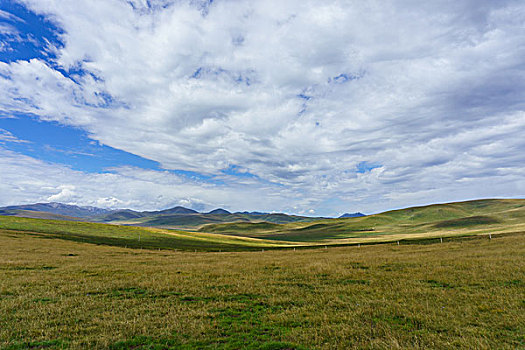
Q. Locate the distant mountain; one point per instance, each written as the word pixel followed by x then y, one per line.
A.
pixel 352 215
pixel 252 212
pixel 60 209
pixel 127 214
pixel 38 215
pixel 197 220
pixel 119 215
pixel 280 218
pixel 174 210
pixel 177 217
pixel 219 211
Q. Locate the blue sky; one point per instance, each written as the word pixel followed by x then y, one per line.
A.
pixel 56 143
pixel 25 33
pixel 306 107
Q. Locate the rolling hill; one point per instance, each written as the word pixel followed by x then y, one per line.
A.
pixel 131 237
pixel 495 216
pixel 439 220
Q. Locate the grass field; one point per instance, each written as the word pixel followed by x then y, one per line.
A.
pixel 132 237
pixel 441 220
pixel 406 225
pixel 463 293
pixel 66 284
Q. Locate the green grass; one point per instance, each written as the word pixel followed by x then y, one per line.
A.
pixel 240 227
pixel 441 220
pixel 127 236
pixel 64 294
pixel 407 225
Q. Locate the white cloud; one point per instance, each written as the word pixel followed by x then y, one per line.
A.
pixel 26 180
pixel 66 194
pixel 10 16
pixel 432 92
pixel 6 136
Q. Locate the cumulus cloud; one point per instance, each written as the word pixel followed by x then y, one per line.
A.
pixel 295 93
pixel 24 179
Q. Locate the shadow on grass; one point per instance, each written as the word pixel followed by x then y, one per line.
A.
pixel 240 325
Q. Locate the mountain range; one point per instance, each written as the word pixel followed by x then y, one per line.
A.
pixel 176 217
pixel 352 215
pixel 55 208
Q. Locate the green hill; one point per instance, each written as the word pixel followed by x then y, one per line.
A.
pixel 439 220
pixel 418 223
pixel 128 236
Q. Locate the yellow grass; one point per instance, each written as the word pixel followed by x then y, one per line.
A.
pixel 463 293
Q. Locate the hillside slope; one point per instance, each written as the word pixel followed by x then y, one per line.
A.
pixel 131 237
pixel 411 224
pixel 496 215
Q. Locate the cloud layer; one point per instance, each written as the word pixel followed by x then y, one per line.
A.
pixel 293 96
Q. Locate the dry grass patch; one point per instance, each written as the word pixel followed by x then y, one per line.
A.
pixel 459 294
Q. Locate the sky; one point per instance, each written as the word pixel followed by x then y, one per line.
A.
pixel 299 106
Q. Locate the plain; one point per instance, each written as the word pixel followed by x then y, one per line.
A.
pixel 462 293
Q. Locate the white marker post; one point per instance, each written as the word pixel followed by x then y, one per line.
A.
pixel 490 236
pixel 441 239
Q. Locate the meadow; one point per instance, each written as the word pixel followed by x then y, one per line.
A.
pixel 479 217
pixel 60 293
pixel 440 276
pixel 132 237
pixel 433 222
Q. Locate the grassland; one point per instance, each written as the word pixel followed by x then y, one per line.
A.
pixel 66 284
pixel 434 221
pixel 463 293
pixel 132 237
pixel 406 225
